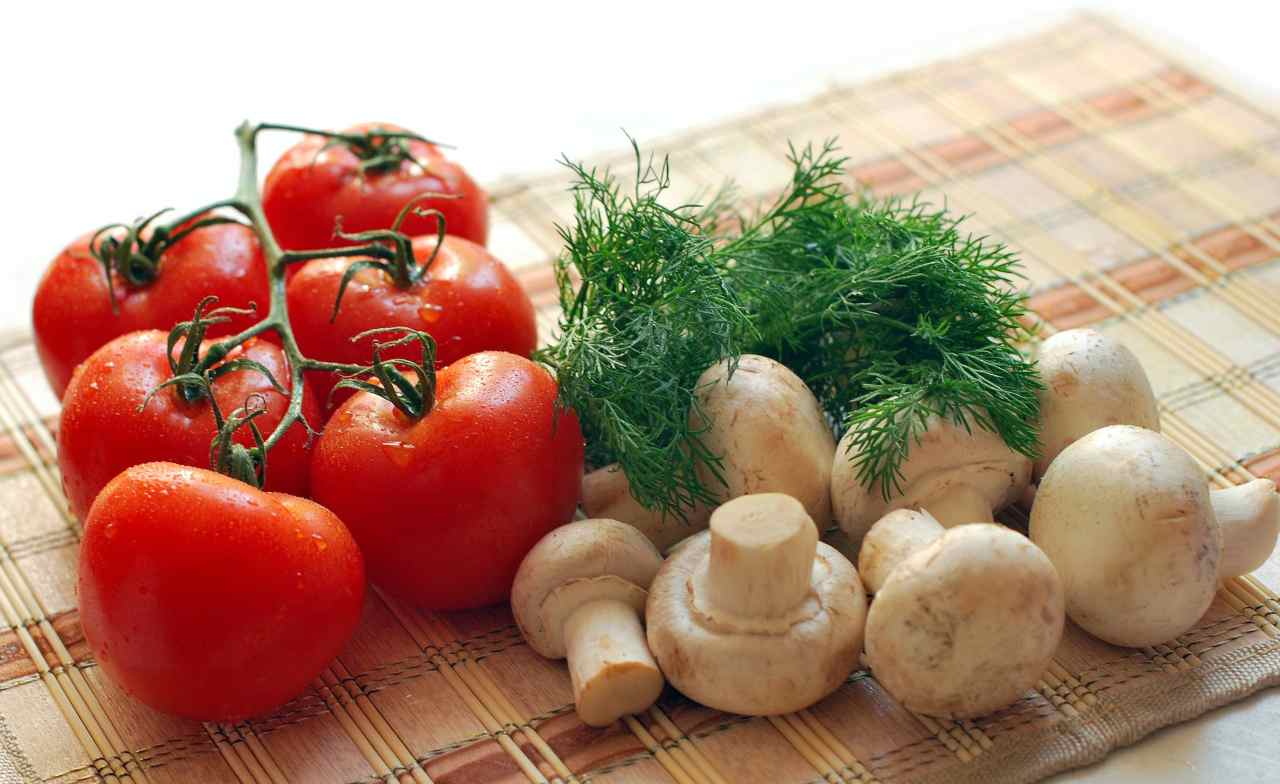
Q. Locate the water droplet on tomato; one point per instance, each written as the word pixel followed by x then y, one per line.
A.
pixel 109 365
pixel 320 544
pixel 110 531
pixel 430 312
pixel 398 452
pixel 93 385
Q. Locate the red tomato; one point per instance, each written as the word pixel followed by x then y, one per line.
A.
pixel 445 507
pixel 313 184
pixel 72 313
pixel 209 599
pixel 467 300
pixel 101 432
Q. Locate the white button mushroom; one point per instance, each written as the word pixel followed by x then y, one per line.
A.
pixel 964 621
pixel 960 476
pixel 606 494
pixel 770 433
pixel 893 539
pixel 1091 381
pixel 758 617
pixel 579 594
pixel 1140 541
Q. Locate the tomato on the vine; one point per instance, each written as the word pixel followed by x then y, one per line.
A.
pixel 101 431
pixel 465 298
pixel 73 312
pixel 207 598
pixel 446 505
pixel 319 180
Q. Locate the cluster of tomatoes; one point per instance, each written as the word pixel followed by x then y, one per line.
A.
pixel 209 597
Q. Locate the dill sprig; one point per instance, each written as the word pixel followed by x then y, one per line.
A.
pixel 646 309
pixel 892 314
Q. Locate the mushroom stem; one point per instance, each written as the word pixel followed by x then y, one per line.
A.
pixel 612 670
pixel 739 624
pixel 893 539
pixel 958 505
pixel 1249 515
pixel 762 552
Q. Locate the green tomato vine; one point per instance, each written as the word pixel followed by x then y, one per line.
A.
pixel 134 251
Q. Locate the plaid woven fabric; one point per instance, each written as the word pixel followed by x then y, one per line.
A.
pixel 1144 199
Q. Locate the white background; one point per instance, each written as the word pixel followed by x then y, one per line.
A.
pixel 117 112
pixel 114 112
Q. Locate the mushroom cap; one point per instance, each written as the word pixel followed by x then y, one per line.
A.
pixel 606 494
pixel 574 564
pixel 894 538
pixel 734 665
pixel 1125 516
pixel 770 432
pixel 946 456
pixel 1091 381
pixel 966 625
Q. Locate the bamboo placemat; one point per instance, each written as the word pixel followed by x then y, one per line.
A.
pixel 1144 198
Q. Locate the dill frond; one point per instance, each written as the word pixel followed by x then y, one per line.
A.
pixel 649 311
pixel 891 314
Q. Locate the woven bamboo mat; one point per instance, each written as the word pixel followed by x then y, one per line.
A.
pixel 1144 198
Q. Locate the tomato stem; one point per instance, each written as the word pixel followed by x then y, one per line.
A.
pixel 191 333
pixel 298 256
pixel 413 396
pixel 133 250
pixel 193 374
pixel 395 249
pixel 236 460
pixel 249 201
pixel 379 150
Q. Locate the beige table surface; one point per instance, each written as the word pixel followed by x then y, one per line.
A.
pixel 1238 744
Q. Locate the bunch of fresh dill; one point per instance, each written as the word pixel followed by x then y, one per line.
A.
pixel 885 308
